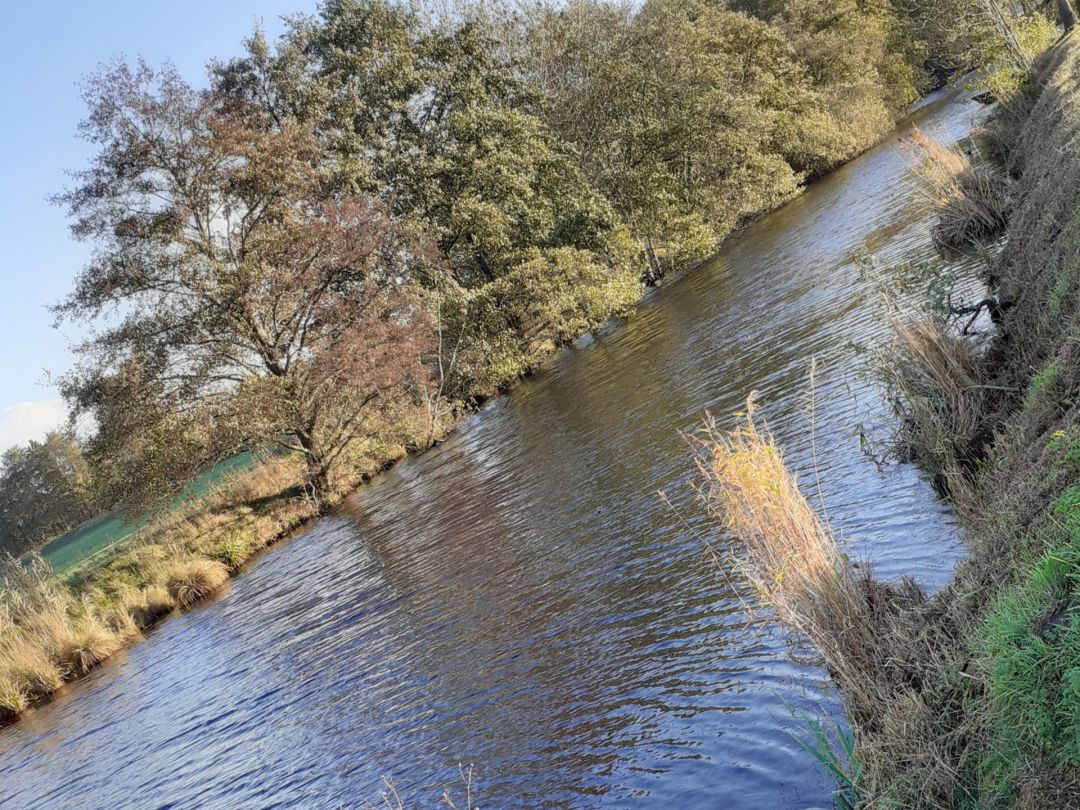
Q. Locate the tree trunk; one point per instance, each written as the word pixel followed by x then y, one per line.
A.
pixel 485 268
pixel 1066 13
pixel 1008 35
pixel 318 469
pixel 655 272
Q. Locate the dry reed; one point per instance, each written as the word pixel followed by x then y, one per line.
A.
pixel 971 198
pixel 791 556
pixel 931 377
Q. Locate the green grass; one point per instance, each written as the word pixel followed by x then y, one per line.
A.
pixel 75 546
pixel 1031 646
pixel 836 753
pixel 1067 449
pixel 1047 378
pixel 72 548
pixel 1058 293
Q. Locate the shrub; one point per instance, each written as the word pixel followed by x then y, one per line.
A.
pixel 194 580
pixel 495 334
pixel 931 377
pixel 1034 34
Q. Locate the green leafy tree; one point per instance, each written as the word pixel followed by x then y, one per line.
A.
pixel 436 120
pixel 239 299
pixel 46 488
pixel 688 116
pixel 985 35
pixel 858 61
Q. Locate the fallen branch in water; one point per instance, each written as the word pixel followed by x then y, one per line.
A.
pixel 994 308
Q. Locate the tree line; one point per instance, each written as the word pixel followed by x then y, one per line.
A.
pixel 395 209
pixel 46 488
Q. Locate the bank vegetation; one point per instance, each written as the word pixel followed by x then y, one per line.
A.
pixel 970 697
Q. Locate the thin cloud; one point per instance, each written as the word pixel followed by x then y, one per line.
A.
pixel 29 420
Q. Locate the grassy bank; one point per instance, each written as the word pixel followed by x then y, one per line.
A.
pixel 75 546
pixel 969 698
pixel 54 629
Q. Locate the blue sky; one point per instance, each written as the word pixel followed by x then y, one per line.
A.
pixel 45 49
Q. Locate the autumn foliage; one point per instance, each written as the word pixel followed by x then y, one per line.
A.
pixel 246 303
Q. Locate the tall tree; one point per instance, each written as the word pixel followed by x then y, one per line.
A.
pixel 857 60
pixel 961 35
pixel 239 300
pixel 436 120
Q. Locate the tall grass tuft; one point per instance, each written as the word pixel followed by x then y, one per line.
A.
pixel 25 671
pixel 194 580
pixel 792 558
pixel 931 377
pixel 47 635
pixel 971 197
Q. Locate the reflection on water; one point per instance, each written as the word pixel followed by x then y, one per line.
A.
pixel 520 597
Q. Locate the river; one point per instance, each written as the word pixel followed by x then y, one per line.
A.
pixel 520 597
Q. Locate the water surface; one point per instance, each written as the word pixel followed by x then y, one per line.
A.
pixel 520 597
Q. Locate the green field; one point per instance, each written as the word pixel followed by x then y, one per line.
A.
pixel 69 549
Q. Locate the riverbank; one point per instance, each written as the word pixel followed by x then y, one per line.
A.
pixel 971 697
pixel 56 630
pixel 1003 711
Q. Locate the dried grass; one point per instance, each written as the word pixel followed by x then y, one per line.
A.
pixel 270 478
pixel 25 673
pixel 891 651
pixel 971 197
pixel 932 378
pixel 792 557
pixel 46 636
pixel 194 580
pixel 89 642
pixel 52 630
